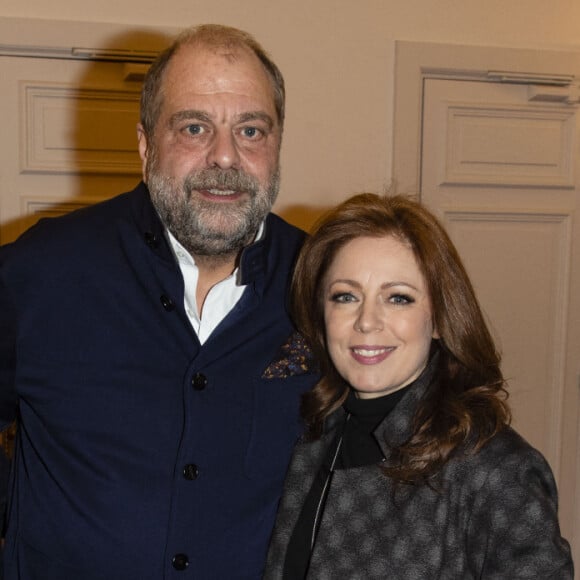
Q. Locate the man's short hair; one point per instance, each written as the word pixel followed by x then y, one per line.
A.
pixel 213 36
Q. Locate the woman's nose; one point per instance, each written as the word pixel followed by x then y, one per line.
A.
pixel 370 318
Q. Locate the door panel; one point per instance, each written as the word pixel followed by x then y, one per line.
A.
pixel 501 171
pixel 69 129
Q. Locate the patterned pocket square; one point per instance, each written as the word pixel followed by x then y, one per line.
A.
pixel 294 358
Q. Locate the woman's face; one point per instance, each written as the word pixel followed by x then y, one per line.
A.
pixel 377 315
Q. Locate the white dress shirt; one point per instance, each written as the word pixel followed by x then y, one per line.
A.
pixel 221 298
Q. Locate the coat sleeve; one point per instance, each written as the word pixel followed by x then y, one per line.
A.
pixel 514 531
pixel 8 401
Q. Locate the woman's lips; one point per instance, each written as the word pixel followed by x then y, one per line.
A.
pixel 371 355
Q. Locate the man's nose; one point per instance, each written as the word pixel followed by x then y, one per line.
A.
pixel 223 152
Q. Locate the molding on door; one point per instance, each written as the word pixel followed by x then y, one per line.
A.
pixel 46 129
pixel 417 61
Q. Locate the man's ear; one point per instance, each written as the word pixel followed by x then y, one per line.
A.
pixel 143 150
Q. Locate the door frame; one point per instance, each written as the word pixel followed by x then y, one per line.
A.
pixel 417 61
pixel 36 37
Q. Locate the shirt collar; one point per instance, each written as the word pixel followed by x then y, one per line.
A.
pixel 183 256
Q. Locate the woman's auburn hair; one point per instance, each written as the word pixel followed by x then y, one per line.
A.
pixel 466 405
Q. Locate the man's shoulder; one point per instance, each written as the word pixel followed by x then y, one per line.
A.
pixel 280 225
pixel 107 210
pixel 81 235
pixel 279 231
pixel 80 224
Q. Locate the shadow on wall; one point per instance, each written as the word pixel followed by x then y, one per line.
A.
pixel 303 216
pixel 96 155
pixel 91 109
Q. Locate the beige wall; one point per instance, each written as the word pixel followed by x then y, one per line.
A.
pixel 337 57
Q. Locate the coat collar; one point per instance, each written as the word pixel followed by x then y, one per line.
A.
pixel 254 258
pixel 397 428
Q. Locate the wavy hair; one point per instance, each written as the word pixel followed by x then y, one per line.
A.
pixel 466 404
pixel 213 36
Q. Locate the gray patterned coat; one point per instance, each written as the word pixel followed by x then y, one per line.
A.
pixel 494 516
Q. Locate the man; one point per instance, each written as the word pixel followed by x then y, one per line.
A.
pixel 146 344
pixel 4 471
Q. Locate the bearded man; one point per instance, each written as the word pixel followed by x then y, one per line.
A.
pixel 145 346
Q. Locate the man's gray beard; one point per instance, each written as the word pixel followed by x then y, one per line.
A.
pixel 206 228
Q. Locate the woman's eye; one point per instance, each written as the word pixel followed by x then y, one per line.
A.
pixel 401 299
pixel 342 297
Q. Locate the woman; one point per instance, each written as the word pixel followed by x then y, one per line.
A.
pixel 409 469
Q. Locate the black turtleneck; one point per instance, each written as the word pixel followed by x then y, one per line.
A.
pixel 359 447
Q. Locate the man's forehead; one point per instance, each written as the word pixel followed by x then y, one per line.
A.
pixel 196 54
pixel 207 71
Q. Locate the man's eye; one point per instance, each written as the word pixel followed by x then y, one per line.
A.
pixel 194 129
pixel 251 132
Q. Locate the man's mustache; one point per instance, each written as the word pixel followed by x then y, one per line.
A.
pixel 226 179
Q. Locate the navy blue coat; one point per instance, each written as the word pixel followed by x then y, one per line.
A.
pixel 142 454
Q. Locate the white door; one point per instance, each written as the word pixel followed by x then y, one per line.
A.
pixel 500 166
pixel 68 136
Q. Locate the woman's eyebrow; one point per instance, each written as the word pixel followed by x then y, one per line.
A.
pixel 399 283
pixel 384 286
